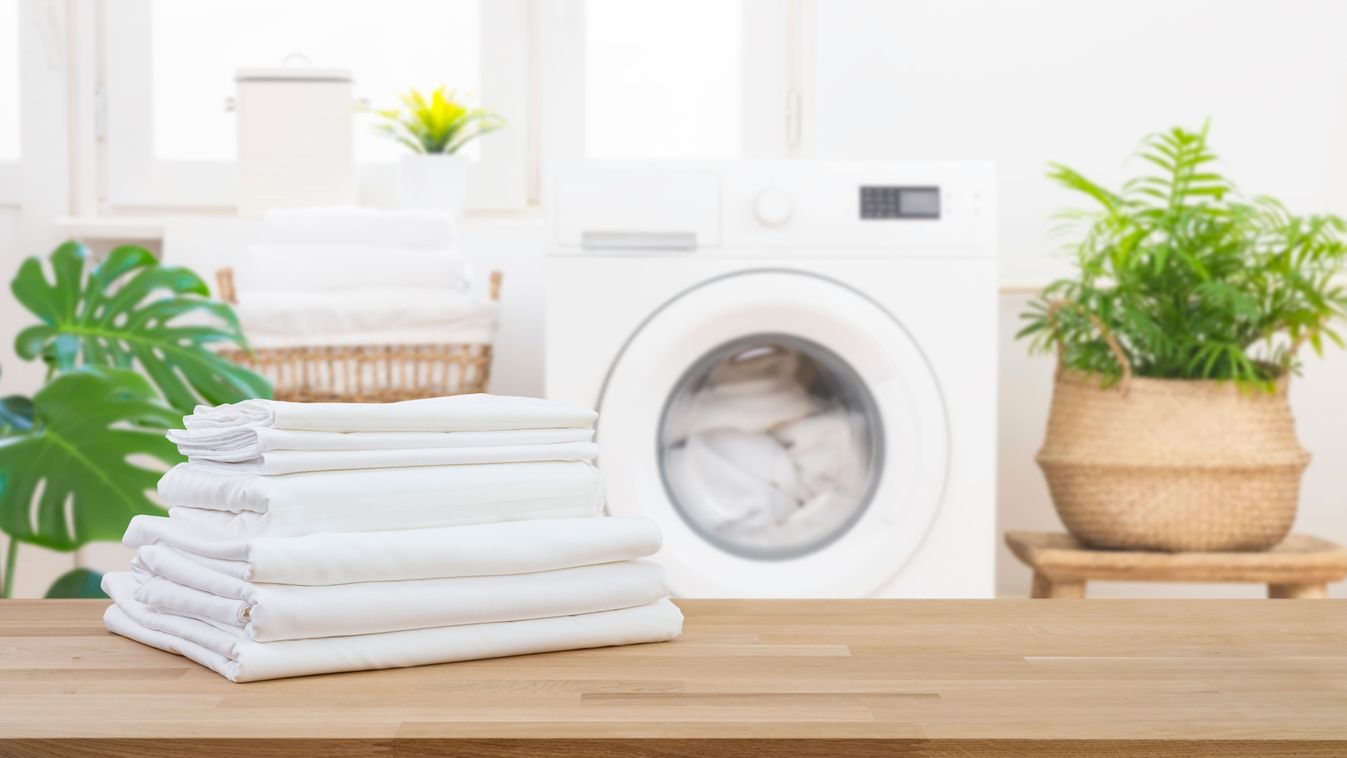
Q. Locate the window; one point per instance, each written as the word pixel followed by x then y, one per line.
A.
pixel 662 80
pixel 170 67
pixel 387 46
pixel 9 80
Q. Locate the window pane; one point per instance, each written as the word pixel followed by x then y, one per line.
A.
pixel 662 79
pixel 388 46
pixel 9 79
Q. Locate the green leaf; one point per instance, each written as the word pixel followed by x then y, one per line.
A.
pixel 16 414
pixel 77 583
pixel 88 464
pixel 132 312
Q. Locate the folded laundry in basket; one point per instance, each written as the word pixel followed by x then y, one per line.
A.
pixel 173 583
pixel 459 413
pixel 512 547
pixel 308 312
pixel 300 461
pixel 353 225
pixel 241 660
pixel 476 327
pixel 247 505
pixel 234 444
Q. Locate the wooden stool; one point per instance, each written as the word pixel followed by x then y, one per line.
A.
pixel 1300 567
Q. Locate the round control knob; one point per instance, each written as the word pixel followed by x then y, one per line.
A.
pixel 773 207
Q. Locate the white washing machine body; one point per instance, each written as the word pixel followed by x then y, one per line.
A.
pixel 885 271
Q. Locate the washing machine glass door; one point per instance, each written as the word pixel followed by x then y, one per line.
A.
pixel 786 432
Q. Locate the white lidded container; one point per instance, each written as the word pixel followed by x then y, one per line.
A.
pixel 295 138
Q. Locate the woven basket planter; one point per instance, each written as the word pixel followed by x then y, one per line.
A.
pixel 1171 464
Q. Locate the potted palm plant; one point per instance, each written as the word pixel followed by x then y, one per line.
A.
pixel 435 128
pixel 1175 340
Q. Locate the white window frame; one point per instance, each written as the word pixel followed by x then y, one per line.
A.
pixel 775 78
pixel 136 179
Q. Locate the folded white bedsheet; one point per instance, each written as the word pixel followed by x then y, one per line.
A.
pixel 477 328
pixel 301 461
pixel 173 583
pixel 249 505
pixel 295 311
pixel 333 267
pixel 242 660
pixel 459 413
pixel 231 445
pixel 514 547
pixel 355 225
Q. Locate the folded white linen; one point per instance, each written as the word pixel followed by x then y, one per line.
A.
pixel 354 225
pixel 242 660
pixel 513 547
pixel 294 311
pixel 233 444
pixel 476 327
pixel 301 461
pixel 173 583
pixel 345 267
pixel 248 505
pixel 458 413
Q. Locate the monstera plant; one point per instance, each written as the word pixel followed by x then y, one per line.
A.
pixel 127 344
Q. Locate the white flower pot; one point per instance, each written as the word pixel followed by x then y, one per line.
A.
pixel 438 182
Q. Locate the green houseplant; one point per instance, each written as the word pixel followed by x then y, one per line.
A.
pixel 127 355
pixel 435 128
pixel 1175 339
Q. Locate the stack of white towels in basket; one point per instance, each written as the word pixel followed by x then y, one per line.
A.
pixel 314 538
pixel 359 276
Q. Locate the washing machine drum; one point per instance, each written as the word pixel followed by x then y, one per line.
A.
pixel 786 432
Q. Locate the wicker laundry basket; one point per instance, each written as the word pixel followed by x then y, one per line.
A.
pixel 367 373
pixel 1171 464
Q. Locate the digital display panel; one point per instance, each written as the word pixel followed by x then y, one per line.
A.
pixel 900 203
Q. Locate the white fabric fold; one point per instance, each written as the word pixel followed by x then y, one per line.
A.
pixel 355 225
pixel 344 267
pixel 241 660
pixel 514 547
pixel 459 413
pixel 302 461
pixel 231 445
pixel 246 505
pixel 172 583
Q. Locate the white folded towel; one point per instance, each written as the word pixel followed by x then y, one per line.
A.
pixel 246 505
pixel 232 445
pixel 353 225
pixel 173 583
pixel 241 660
pixel 337 267
pixel 300 461
pixel 459 413
pixel 513 547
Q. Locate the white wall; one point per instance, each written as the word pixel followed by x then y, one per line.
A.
pixel 1029 81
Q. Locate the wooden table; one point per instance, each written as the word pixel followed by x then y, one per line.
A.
pixel 819 678
pixel 1301 567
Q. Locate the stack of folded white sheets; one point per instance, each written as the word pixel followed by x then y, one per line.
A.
pixel 314 538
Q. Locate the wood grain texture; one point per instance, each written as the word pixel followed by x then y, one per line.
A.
pixel 876 677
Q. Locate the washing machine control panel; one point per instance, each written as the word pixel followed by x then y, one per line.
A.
pixel 896 203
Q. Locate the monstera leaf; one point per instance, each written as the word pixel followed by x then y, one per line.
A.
pixel 71 479
pixel 108 315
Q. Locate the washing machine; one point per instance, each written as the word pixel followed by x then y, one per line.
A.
pixel 794 364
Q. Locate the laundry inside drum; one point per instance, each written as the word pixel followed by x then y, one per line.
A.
pixel 770 447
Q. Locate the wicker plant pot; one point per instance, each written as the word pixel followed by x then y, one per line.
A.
pixel 1169 464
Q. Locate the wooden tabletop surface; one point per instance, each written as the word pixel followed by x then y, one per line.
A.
pixel 1005 677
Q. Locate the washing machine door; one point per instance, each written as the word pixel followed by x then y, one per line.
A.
pixel 785 431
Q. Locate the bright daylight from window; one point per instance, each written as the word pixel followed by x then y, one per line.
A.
pixel 388 46
pixel 662 79
pixel 9 79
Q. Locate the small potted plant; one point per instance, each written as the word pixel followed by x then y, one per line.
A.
pixel 435 128
pixel 1175 338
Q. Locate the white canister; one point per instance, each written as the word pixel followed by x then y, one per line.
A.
pixel 435 181
pixel 295 138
